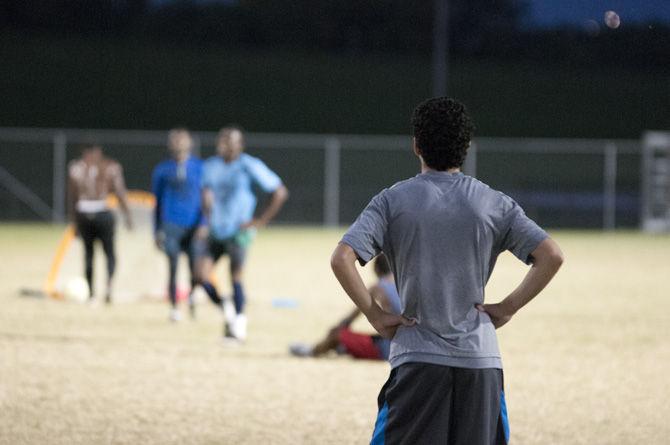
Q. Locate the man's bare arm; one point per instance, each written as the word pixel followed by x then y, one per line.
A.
pixel 547 259
pixel 277 201
pixel 207 197
pixel 122 194
pixel 379 296
pixel 206 203
pixel 343 263
pixel 353 315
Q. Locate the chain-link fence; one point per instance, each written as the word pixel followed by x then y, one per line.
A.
pixel 560 182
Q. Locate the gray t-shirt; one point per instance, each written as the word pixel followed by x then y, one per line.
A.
pixel 442 233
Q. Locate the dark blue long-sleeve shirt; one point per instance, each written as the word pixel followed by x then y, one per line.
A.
pixel 176 187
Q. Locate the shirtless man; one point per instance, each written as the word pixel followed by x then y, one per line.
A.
pixel 91 178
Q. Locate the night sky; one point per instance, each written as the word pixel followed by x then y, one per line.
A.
pixel 546 13
pixel 557 12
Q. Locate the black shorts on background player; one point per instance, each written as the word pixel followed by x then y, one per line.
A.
pixel 232 247
pixel 100 226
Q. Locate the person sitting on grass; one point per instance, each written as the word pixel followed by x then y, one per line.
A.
pixel 345 341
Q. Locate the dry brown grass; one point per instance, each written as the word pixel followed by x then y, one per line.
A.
pixel 587 363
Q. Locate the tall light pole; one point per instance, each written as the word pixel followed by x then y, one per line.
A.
pixel 440 47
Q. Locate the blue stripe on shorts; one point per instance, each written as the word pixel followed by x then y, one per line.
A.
pixel 378 436
pixel 503 414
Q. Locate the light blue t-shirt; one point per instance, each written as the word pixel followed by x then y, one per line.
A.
pixel 232 184
pixel 391 292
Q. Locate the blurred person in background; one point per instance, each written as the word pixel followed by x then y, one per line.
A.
pixel 342 339
pixel 91 179
pixel 229 204
pixel 175 183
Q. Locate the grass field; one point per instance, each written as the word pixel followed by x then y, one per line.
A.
pixel 587 363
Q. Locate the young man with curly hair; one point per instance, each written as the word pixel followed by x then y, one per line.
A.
pixel 442 232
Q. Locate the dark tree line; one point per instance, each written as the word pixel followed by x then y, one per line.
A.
pixel 478 28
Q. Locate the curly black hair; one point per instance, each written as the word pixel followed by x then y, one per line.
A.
pixel 443 130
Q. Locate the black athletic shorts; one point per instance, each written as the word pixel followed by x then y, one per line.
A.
pixel 216 248
pixel 98 225
pixel 430 404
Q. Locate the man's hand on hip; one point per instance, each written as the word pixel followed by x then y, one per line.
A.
pixel 499 313
pixel 387 323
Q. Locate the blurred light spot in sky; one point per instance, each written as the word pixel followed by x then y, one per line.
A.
pixel 557 12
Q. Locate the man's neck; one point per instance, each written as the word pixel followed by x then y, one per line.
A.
pixel 230 160
pixel 426 169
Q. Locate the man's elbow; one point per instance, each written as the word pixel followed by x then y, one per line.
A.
pixel 336 261
pixel 555 257
pixel 282 194
pixel 549 254
pixel 340 258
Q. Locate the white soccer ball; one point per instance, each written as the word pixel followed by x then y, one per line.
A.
pixel 76 289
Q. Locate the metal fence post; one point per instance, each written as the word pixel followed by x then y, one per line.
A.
pixel 470 164
pixel 331 186
pixel 197 145
pixel 609 187
pixel 59 167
